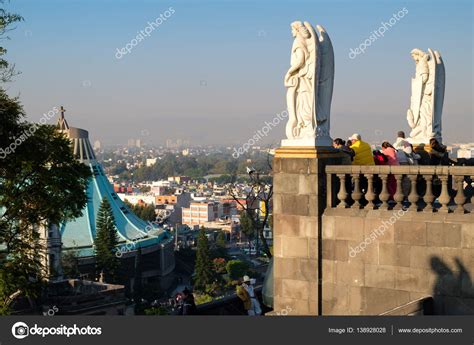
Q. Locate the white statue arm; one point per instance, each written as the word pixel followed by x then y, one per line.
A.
pixel 298 59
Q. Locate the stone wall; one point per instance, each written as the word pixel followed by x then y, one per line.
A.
pixel 298 202
pixel 406 256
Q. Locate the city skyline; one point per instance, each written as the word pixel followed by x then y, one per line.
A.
pixel 309 158
pixel 214 74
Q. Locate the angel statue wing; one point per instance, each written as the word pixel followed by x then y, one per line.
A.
pixel 326 80
pixel 436 65
pixel 312 44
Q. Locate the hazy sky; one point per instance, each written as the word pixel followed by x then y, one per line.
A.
pixel 213 71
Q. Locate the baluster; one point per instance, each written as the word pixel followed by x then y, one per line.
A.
pixel 342 195
pixel 413 196
pixel 398 196
pixel 429 197
pixel 370 195
pixel 356 194
pixel 330 193
pixel 444 197
pixel 384 195
pixel 460 198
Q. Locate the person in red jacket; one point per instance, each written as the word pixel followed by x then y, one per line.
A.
pixel 391 153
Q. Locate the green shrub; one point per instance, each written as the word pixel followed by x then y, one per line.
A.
pixel 237 269
pixel 156 311
pixel 201 299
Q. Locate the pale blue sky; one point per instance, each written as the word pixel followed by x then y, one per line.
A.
pixel 213 71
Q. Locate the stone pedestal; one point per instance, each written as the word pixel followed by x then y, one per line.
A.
pixel 299 199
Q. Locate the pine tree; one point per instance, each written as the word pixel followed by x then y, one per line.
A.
pixel 220 241
pixel 203 268
pixel 105 243
pixel 247 227
pixel 220 250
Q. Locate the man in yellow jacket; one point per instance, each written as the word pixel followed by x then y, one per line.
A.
pixel 362 150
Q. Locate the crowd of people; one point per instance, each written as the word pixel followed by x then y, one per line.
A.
pixel 359 152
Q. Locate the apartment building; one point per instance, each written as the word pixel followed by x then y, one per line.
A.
pixel 199 213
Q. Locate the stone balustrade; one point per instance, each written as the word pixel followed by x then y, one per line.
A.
pixel 416 188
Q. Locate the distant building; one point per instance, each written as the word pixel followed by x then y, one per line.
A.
pixel 466 152
pixel 158 190
pixel 169 144
pixel 227 226
pixel 166 199
pixel 228 209
pixel 97 145
pixel 118 188
pixel 77 235
pixel 178 201
pixel 182 199
pixel 179 179
pixel 134 143
pixel 200 212
pixel 161 183
pixel 150 162
pixel 139 199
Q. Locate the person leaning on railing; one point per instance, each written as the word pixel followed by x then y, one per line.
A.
pixel 404 148
pixel 392 159
pixel 348 155
pixel 340 144
pixel 362 151
pixel 439 154
pixel 362 156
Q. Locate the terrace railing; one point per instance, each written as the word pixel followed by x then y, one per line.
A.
pixel 414 188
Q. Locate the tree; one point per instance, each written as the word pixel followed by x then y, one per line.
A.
pixel 145 189
pixel 7 71
pixel 70 264
pixel 145 212
pixel 256 206
pixel 219 250
pixel 237 269
pixel 41 183
pixel 220 240
pixel 203 268
pixel 105 243
pixel 246 226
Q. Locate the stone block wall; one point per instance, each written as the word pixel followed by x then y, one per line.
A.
pixel 373 261
pixel 298 203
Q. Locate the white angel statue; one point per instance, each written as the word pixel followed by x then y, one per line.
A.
pixel 310 82
pixel 427 97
